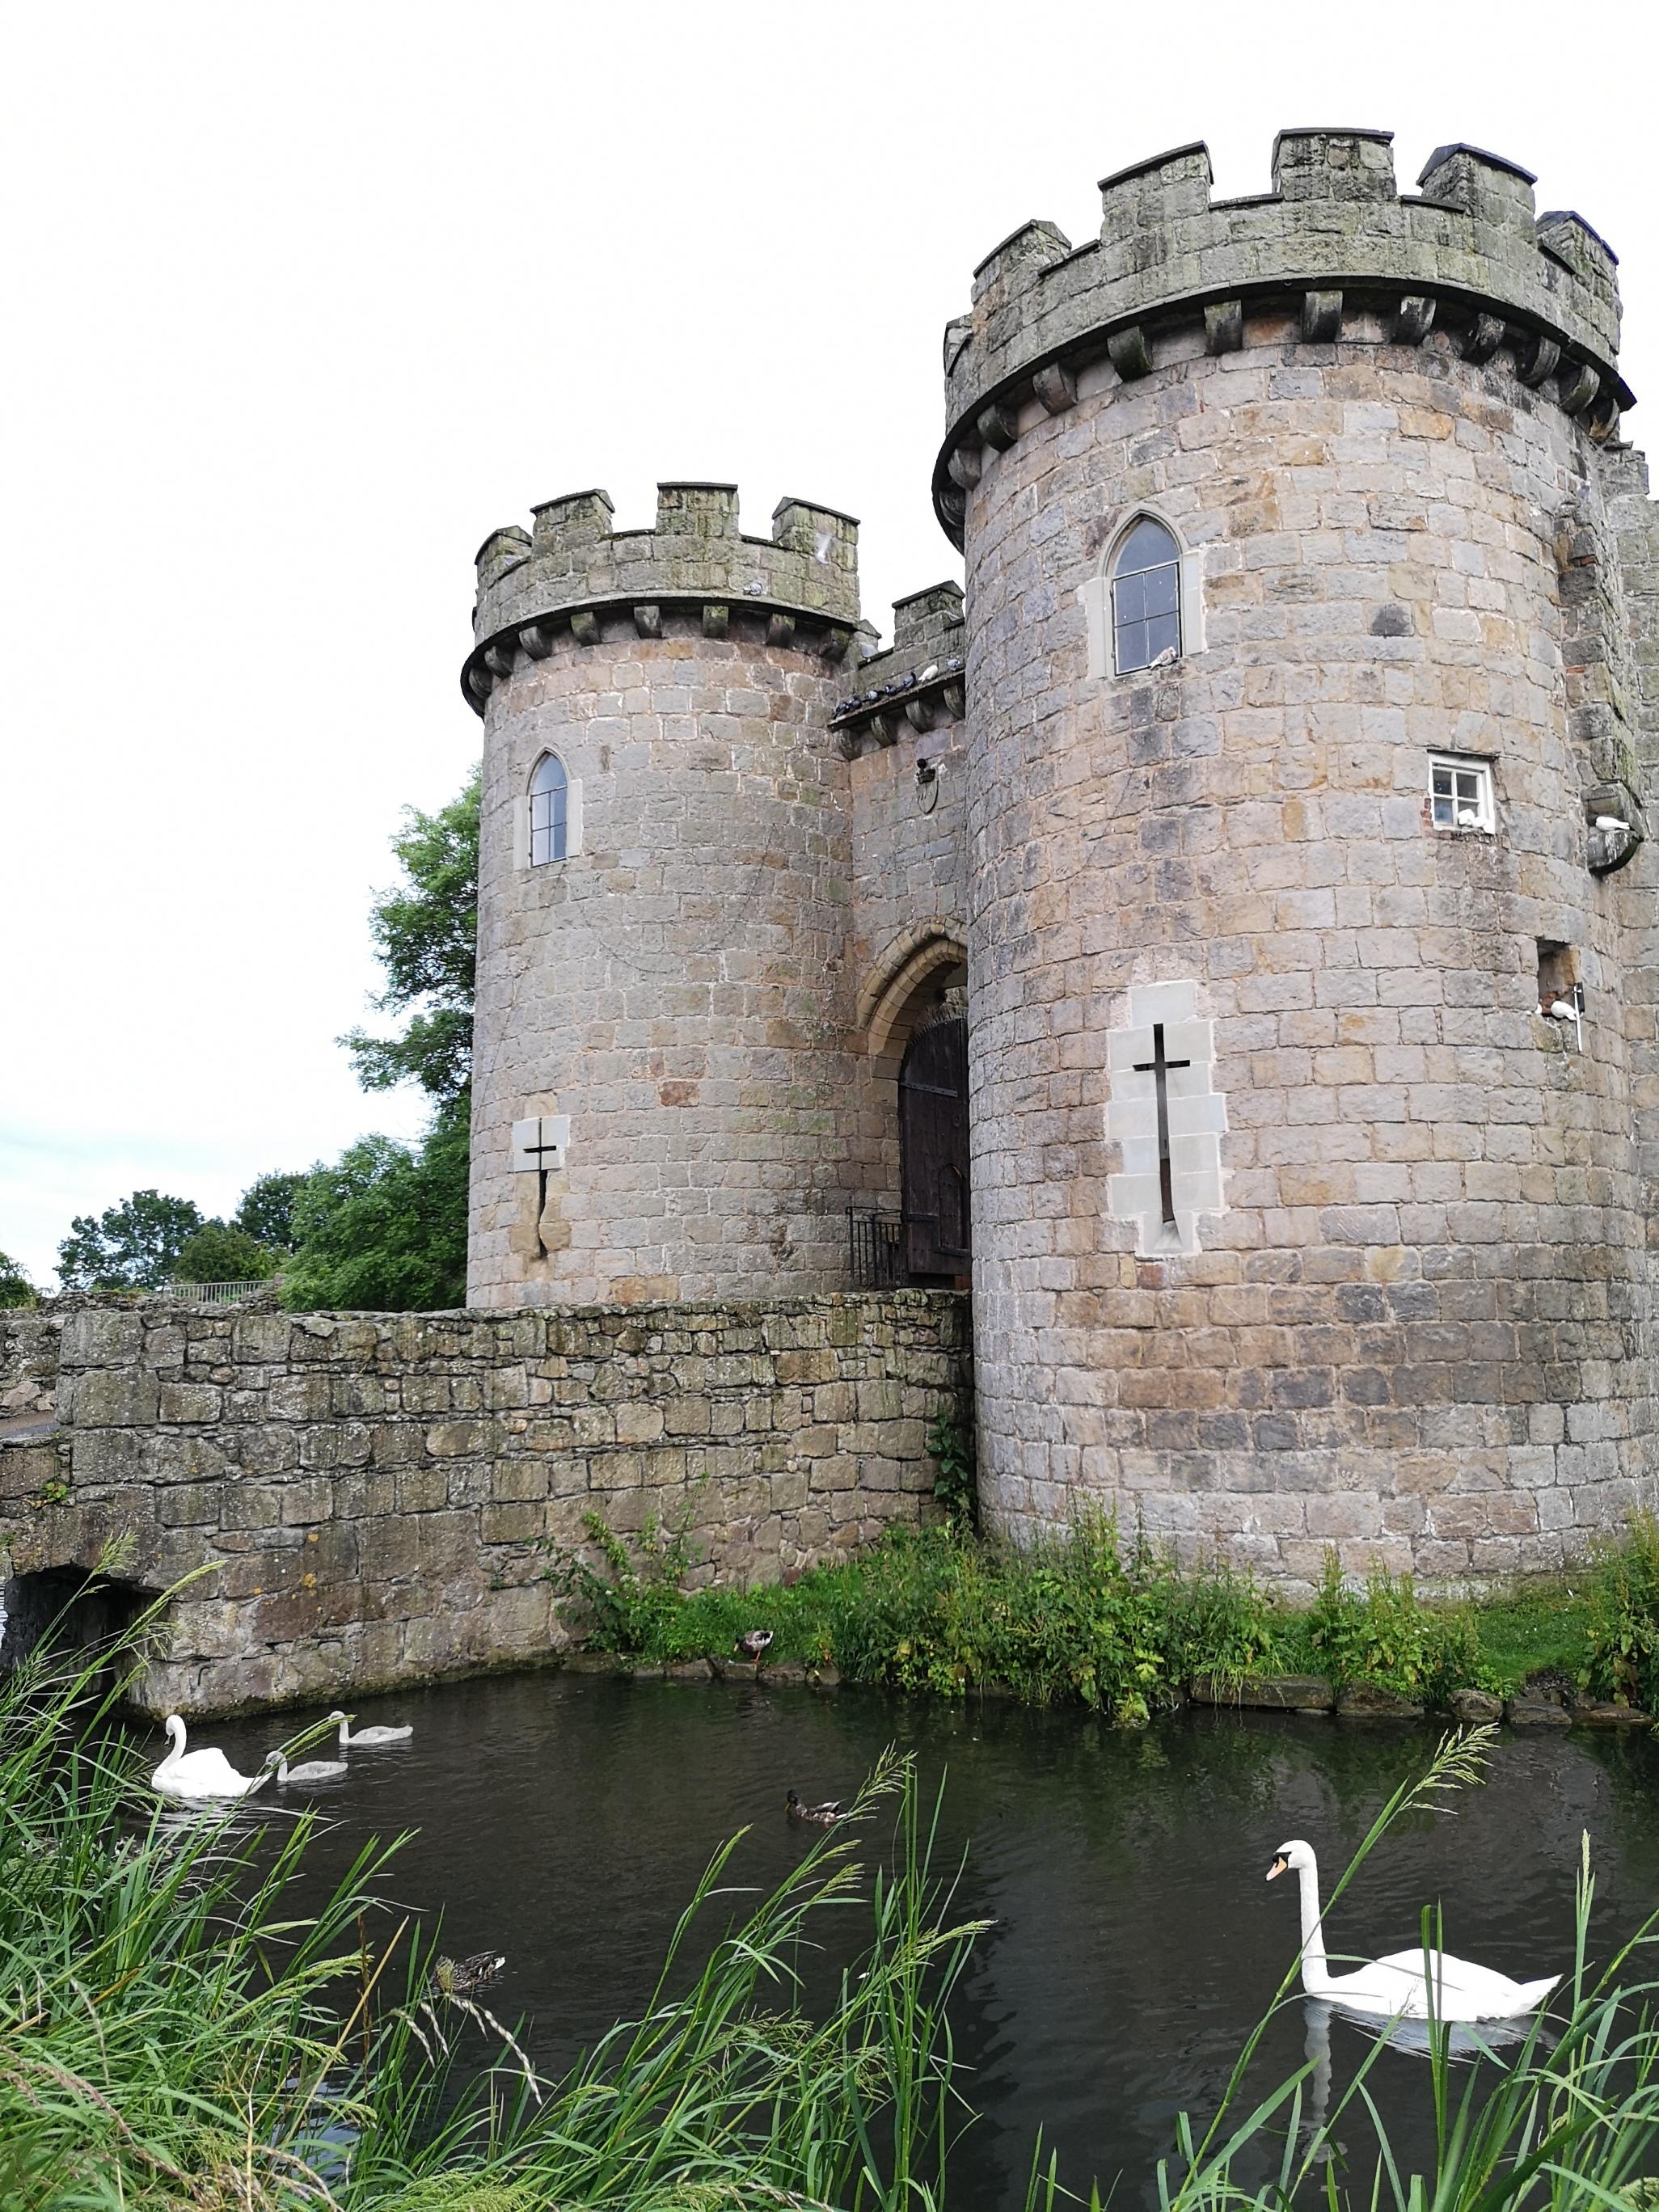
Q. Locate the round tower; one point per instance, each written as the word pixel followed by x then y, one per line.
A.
pixel 1302 763
pixel 663 987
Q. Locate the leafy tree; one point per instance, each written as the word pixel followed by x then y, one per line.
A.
pixel 426 932
pixel 384 1229
pixel 134 1246
pixel 16 1288
pixel 266 1212
pixel 221 1252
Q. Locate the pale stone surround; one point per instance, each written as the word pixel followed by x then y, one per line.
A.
pixel 379 1495
pixel 1196 1117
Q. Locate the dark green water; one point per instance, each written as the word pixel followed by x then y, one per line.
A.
pixel 565 1820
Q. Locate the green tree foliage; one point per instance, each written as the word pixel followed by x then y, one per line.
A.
pixel 220 1252
pixel 266 1212
pixel 384 1229
pixel 16 1288
pixel 426 932
pixel 134 1246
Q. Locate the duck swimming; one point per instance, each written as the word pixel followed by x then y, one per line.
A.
pixel 1411 1984
pixel 823 1816
pixel 463 1977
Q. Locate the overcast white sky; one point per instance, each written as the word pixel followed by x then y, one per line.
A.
pixel 303 301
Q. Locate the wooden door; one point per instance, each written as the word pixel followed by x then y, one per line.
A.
pixel 933 1144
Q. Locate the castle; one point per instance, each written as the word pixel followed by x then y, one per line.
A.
pixel 1225 936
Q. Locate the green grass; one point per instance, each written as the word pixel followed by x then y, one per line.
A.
pixel 1539 1627
pixel 1087 1618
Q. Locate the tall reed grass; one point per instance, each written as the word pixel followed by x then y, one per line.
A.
pixel 174 2033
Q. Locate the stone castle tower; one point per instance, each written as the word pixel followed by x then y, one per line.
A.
pixel 1232 922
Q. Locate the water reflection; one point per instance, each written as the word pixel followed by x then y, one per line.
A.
pixel 564 1821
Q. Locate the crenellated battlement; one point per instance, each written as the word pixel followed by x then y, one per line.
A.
pixel 919 680
pixel 560 581
pixel 1334 240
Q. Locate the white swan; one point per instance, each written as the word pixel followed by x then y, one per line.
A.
pixel 369 1737
pixel 314 1769
pixel 1401 1986
pixel 203 1773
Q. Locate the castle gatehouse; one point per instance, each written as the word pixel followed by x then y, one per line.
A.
pixel 1225 934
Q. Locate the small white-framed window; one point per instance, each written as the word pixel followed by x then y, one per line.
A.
pixel 1461 792
pixel 1145 576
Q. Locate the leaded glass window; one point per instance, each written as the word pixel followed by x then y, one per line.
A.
pixel 549 792
pixel 1146 597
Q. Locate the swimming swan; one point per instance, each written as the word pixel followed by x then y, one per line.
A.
pixel 365 1739
pixel 1398 1987
pixel 203 1773
pixel 314 1769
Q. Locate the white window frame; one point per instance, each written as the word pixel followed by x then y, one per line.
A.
pixel 1097 597
pixel 1479 766
pixel 572 815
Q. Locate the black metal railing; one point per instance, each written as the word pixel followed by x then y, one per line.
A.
pixel 875 1248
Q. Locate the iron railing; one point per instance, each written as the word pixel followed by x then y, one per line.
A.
pixel 875 1248
pixel 220 1294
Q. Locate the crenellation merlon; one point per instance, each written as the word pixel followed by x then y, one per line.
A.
pixel 1333 165
pixel 928 616
pixel 1033 247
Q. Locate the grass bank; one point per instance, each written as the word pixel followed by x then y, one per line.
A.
pixel 1119 1627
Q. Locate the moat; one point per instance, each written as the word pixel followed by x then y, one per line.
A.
pixel 565 1820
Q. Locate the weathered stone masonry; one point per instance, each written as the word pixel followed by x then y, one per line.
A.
pixel 1390 1285
pixel 377 1494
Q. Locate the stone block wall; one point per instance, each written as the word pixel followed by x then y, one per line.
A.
pixel 377 1497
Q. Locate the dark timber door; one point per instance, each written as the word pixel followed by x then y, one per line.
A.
pixel 933 1142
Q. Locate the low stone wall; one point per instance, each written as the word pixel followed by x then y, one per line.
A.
pixel 377 1497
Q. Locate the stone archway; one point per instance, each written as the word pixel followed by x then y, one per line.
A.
pixel 918 984
pixel 75 1609
pixel 932 951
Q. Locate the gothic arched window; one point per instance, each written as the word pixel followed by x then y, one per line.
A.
pixel 1145 596
pixel 550 790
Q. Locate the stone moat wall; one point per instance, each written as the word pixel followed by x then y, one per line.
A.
pixel 377 1497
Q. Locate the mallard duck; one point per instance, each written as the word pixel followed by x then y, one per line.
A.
pixel 366 1739
pixel 204 1774
pixel 1411 1984
pixel 822 1816
pixel 463 1977
pixel 752 1642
